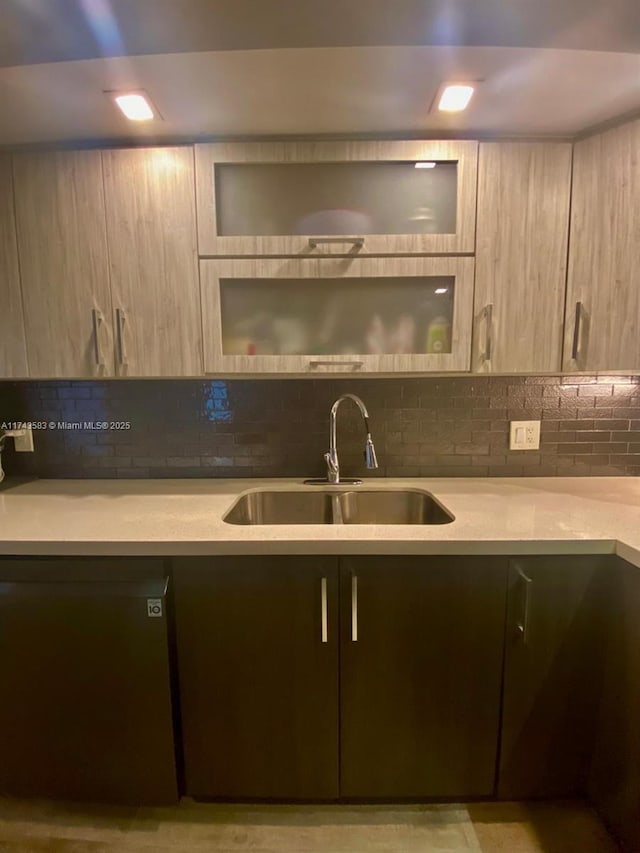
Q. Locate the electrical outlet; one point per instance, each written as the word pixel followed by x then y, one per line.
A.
pixel 524 435
pixel 23 439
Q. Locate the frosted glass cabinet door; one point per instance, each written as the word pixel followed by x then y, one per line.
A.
pixel 337 314
pixel 318 198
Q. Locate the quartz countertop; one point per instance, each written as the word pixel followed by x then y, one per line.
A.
pixel 551 515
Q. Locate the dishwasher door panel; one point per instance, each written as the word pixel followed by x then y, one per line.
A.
pixel 85 692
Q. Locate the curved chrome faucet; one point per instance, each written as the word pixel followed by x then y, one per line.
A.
pixel 331 457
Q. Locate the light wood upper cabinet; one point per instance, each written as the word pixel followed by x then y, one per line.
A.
pixel 63 263
pixel 318 315
pixel 603 295
pixel 13 350
pixel 521 256
pixel 151 226
pixel 314 198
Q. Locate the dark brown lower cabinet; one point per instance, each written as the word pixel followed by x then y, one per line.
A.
pixel 257 643
pixel 85 708
pixel 420 677
pixel 556 625
pixel 614 785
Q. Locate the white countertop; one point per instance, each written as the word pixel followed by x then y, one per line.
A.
pixel 561 515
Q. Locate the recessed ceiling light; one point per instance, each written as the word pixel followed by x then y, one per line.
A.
pixel 136 106
pixel 441 289
pixel 455 97
pixel 425 164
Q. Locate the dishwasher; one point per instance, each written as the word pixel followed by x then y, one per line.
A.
pixel 86 700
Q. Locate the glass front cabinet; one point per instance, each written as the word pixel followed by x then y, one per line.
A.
pixel 343 314
pixel 329 198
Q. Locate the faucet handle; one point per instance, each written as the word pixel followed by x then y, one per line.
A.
pixel 333 468
pixel 370 457
pixel 332 462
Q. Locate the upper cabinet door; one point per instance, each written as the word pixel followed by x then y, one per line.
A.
pixel 63 263
pixel 521 256
pixel 151 226
pixel 13 350
pixel 337 314
pixel 310 198
pixel 603 295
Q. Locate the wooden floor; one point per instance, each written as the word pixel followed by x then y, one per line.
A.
pixel 45 827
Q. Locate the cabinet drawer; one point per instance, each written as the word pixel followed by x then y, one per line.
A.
pixel 335 197
pixel 351 315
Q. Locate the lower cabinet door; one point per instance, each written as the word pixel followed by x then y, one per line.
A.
pixel 553 672
pixel 421 669
pixel 257 643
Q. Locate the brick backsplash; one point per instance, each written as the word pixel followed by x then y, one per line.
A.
pixel 428 427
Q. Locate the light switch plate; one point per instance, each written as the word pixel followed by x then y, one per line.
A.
pixel 524 435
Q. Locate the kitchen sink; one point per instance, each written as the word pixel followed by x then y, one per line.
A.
pixel 338 506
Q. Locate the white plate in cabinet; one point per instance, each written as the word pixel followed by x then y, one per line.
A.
pixel 347 315
pixel 319 198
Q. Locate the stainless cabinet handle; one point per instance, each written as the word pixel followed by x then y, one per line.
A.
pixel 354 608
pixel 576 332
pixel 522 625
pixel 327 362
pixel 96 318
pixel 324 613
pixel 120 321
pixel 488 346
pixel 357 242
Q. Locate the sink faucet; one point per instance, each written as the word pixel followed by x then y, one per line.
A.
pixel 331 457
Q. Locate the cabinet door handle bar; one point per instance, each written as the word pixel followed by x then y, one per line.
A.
pixel 522 625
pixel 354 608
pixel 488 346
pixel 96 319
pixel 576 332
pixel 328 363
pixel 120 321
pixel 324 612
pixel 358 242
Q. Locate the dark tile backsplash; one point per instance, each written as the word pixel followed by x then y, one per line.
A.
pixel 433 427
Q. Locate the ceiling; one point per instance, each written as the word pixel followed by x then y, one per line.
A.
pixel 269 67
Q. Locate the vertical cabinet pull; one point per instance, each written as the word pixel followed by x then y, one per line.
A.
pixel 488 343
pixel 522 624
pixel 96 318
pixel 120 321
pixel 354 608
pixel 575 349
pixel 324 612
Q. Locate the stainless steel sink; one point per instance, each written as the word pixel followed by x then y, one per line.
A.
pixel 338 506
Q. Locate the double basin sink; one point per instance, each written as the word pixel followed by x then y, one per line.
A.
pixel 335 505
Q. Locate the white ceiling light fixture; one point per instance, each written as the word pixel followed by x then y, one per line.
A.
pixel 455 97
pixel 441 289
pixel 136 106
pixel 425 164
